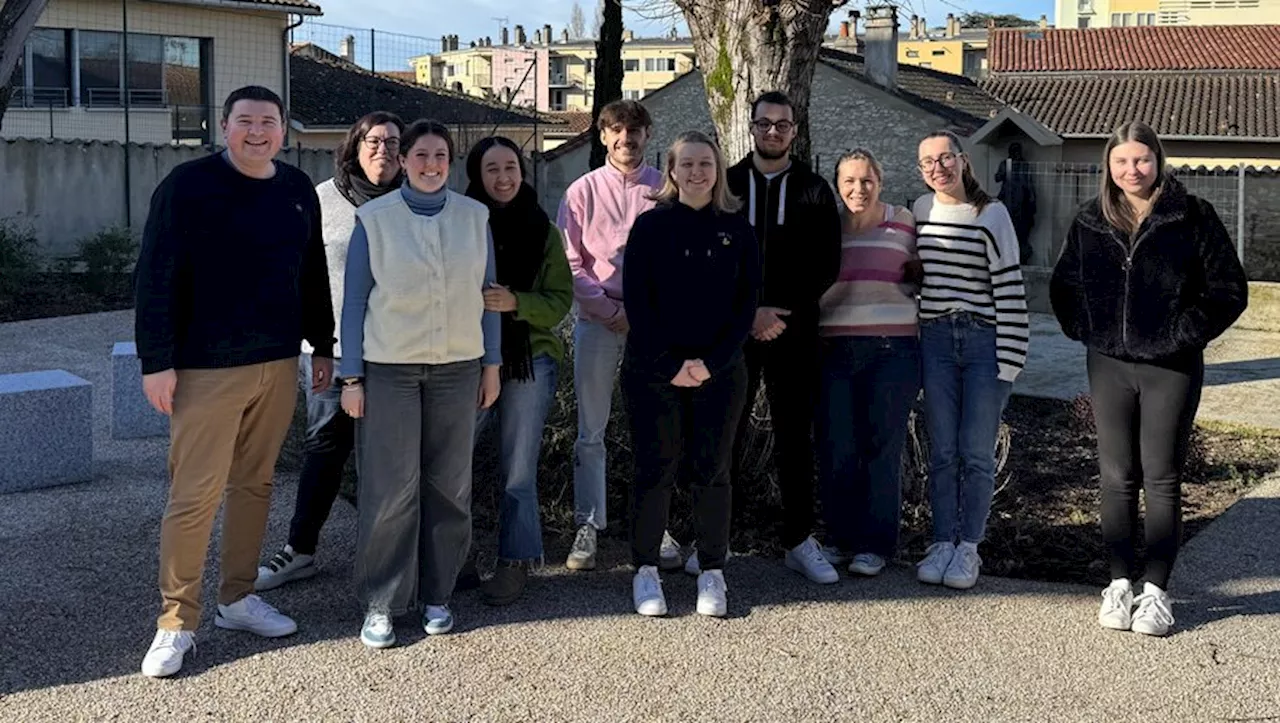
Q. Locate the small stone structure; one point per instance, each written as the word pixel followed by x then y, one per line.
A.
pixel 132 416
pixel 46 430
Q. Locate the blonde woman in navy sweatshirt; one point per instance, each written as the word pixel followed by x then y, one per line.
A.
pixel 693 276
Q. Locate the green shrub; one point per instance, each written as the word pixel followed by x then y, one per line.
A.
pixel 18 256
pixel 108 256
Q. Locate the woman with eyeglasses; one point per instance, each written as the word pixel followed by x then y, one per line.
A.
pixel 367 166
pixel 973 343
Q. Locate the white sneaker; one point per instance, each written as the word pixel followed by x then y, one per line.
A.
pixel 583 554
pixel 1154 615
pixel 253 614
pixel 646 592
pixel 962 573
pixel 378 630
pixel 835 555
pixel 711 594
pixel 1117 605
pixel 693 567
pixel 283 567
pixel 669 555
pixel 937 558
pixel 168 648
pixel 866 563
pixel 806 559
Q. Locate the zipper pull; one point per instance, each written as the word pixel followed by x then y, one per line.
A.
pixel 1128 263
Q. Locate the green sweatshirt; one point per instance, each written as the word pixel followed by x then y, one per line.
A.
pixel 548 302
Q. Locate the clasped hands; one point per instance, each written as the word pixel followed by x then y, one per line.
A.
pixel 692 374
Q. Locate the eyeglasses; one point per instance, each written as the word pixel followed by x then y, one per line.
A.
pixel 947 160
pixel 764 124
pixel 373 142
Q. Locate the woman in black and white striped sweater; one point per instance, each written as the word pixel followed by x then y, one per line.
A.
pixel 973 344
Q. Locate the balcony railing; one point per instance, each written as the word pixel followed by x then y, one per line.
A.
pixel 114 98
pixel 37 97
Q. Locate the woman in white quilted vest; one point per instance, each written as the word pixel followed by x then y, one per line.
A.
pixel 420 353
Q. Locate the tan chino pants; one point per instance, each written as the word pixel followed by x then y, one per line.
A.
pixel 225 436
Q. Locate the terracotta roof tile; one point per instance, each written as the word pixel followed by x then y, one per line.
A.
pixel 1207 103
pixel 1156 47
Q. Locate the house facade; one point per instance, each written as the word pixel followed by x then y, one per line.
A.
pixel 75 79
pixel 1137 13
pixel 551 74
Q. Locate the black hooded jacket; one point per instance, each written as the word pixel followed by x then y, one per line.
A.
pixel 1176 287
pixel 797 227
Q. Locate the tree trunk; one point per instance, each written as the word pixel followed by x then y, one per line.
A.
pixel 748 47
pixel 608 72
pixel 17 18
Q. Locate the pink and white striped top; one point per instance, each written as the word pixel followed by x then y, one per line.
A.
pixel 869 297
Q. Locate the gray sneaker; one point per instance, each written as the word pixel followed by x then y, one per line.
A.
pixel 583 554
pixel 669 555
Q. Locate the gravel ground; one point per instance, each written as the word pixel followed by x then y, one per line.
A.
pixel 78 602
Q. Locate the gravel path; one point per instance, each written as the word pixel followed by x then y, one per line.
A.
pixel 78 602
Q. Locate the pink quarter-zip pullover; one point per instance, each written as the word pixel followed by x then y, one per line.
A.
pixel 595 218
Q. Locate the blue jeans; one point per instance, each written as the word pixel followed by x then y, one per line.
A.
pixel 596 353
pixel 869 385
pixel 964 399
pixel 521 412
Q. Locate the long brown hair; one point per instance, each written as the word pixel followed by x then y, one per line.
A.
pixel 973 191
pixel 721 199
pixel 1116 209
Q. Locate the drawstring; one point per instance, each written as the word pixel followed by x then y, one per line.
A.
pixel 782 199
pixel 751 210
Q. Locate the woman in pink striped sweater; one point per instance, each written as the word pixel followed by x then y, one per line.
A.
pixel 870 370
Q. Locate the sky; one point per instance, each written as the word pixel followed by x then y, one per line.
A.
pixel 408 25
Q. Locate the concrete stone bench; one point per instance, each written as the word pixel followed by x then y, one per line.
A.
pixel 46 430
pixel 132 416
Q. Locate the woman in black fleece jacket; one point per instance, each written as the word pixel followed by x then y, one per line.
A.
pixel 693 275
pixel 1147 278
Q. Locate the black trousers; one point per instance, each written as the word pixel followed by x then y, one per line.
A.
pixel 330 439
pixel 1144 415
pixel 682 433
pixel 792 376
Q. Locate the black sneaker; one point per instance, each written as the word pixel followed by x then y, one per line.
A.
pixel 506 585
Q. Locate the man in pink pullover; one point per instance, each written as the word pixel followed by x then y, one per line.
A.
pixel 595 219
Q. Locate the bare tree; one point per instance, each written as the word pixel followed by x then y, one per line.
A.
pixel 577 22
pixel 747 47
pixel 17 18
pixel 608 70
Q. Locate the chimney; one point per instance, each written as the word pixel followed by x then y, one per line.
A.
pixel 488 42
pixel 844 28
pixel 882 46
pixel 564 35
pixel 628 35
pixel 347 48
pixel 953 26
pixel 546 35
pixel 1044 23
pixel 537 37
pixel 520 37
pixel 991 23
pixel 505 37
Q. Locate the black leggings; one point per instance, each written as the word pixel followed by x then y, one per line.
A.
pixel 1144 414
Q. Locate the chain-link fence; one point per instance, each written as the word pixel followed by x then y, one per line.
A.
pixel 375 50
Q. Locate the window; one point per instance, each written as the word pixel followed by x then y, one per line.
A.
pixel 630 66
pixel 591 65
pixel 158 72
pixel 1082 22
pixel 1085 7
pixel 557 100
pixel 926 65
pixel 99 63
pixel 937 53
pixel 913 53
pixel 42 76
pixel 631 94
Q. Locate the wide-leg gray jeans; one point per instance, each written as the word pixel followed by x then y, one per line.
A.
pixel 415 483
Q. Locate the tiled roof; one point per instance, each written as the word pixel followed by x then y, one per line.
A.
pixel 1155 47
pixel 326 91
pixel 306 7
pixel 953 97
pixel 578 121
pixel 1218 104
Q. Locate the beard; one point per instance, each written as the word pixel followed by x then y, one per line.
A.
pixel 771 155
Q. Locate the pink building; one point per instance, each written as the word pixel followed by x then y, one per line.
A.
pixel 511 69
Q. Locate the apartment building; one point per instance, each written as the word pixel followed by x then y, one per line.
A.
pixel 549 73
pixel 1131 13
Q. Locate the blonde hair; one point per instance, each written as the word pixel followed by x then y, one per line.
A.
pixel 1116 209
pixel 721 199
pixel 857 154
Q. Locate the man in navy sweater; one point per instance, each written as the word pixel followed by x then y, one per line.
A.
pixel 230 280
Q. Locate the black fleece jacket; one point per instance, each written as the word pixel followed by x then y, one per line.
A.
pixel 1174 288
pixel 232 269
pixel 797 226
pixel 691 286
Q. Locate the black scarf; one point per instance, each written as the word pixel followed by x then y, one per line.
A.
pixel 519 241
pixel 357 189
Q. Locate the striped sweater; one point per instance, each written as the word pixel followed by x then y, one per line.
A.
pixel 971 263
pixel 869 298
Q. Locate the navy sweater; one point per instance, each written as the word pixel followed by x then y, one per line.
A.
pixel 232 269
pixel 692 282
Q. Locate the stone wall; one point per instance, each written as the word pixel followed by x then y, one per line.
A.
pixel 68 190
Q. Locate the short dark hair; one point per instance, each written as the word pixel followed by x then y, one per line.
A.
pixel 425 127
pixel 348 155
pixel 251 92
pixel 626 113
pixel 773 97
